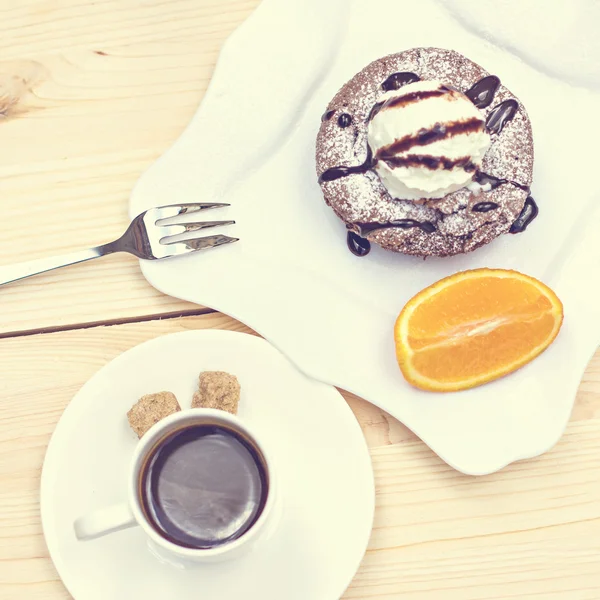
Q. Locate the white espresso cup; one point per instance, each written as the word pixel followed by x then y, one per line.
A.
pixel 135 510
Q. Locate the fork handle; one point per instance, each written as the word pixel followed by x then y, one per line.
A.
pixel 10 273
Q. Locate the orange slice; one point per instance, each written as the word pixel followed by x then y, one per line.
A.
pixel 474 327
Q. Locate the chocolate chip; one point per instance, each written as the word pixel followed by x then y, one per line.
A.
pixel 344 120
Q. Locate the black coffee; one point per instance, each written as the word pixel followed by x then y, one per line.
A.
pixel 203 486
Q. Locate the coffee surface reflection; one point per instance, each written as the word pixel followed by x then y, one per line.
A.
pixel 203 486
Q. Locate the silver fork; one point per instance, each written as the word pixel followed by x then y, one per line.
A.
pixel 145 238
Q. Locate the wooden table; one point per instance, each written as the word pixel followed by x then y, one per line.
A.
pixel 91 93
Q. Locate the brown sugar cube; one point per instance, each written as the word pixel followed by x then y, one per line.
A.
pixel 217 389
pixel 150 409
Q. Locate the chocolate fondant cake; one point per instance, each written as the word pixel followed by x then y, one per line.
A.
pixel 408 163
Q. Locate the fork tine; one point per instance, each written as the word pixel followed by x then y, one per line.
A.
pixel 173 210
pixel 210 242
pixel 196 206
pixel 179 228
pixel 201 243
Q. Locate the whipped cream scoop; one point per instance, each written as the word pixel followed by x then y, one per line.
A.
pixel 427 140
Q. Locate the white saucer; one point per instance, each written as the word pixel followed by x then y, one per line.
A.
pixel 326 480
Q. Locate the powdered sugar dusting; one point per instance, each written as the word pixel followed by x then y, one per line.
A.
pixel 361 198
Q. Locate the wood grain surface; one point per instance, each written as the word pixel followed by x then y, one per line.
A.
pixel 91 93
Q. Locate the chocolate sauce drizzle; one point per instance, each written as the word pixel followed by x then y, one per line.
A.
pixel 397 80
pixel 357 245
pixel 484 207
pixel 376 108
pixel 344 120
pixel 430 162
pixel 360 246
pixel 415 97
pixel 494 182
pixel 425 137
pixel 366 228
pixel 406 99
pixel 500 115
pixel 529 213
pixel 337 172
pixel 483 92
pixel 482 95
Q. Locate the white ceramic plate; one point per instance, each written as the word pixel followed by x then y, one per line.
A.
pixel 291 277
pixel 323 466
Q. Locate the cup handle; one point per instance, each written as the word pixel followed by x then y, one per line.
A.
pixel 104 521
